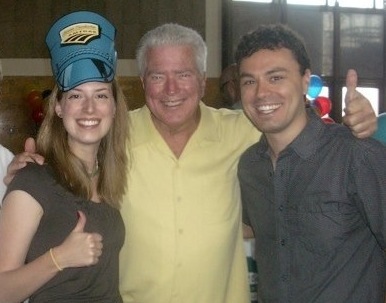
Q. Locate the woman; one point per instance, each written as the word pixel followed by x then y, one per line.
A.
pixel 60 226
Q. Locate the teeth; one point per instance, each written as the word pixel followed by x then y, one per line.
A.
pixel 88 122
pixel 268 108
pixel 172 103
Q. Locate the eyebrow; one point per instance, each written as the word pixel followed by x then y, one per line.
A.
pixel 177 71
pixel 97 90
pixel 270 72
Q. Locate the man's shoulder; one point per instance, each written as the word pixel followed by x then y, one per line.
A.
pixel 137 111
pixel 226 115
pixel 230 124
pixel 138 116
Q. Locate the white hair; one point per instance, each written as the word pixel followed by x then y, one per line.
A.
pixel 172 34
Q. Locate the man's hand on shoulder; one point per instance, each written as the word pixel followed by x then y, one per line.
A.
pixel 21 160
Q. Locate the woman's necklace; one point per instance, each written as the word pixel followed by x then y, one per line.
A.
pixel 95 170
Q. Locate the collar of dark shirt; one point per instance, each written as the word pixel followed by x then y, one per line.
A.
pixel 305 144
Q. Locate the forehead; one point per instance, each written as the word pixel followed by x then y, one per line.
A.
pixel 94 85
pixel 170 56
pixel 268 59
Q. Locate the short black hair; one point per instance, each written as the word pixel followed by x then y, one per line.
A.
pixel 273 37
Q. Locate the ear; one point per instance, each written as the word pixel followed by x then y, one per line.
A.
pixel 114 109
pixel 143 83
pixel 203 85
pixel 306 80
pixel 58 109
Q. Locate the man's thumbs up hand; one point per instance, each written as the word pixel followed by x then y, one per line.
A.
pixel 359 114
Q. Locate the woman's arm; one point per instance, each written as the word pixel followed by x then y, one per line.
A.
pixel 19 220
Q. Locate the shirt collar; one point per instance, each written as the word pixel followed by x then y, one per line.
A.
pixel 306 143
pixel 207 128
pixel 145 131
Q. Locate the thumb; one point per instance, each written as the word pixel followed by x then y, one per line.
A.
pixel 351 84
pixel 81 222
pixel 29 145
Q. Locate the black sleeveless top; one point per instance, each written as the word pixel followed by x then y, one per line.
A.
pixel 97 283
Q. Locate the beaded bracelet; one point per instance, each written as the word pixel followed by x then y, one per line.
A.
pixel 54 260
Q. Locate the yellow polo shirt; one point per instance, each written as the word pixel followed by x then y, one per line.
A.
pixel 183 216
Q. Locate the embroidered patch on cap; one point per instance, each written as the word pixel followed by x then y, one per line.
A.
pixel 79 33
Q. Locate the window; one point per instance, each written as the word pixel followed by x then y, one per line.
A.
pixel 357 3
pixel 378 4
pixel 306 2
pixel 259 1
pixel 337 39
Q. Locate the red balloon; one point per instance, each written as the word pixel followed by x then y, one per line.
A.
pixel 34 99
pixel 323 105
pixel 328 120
pixel 38 115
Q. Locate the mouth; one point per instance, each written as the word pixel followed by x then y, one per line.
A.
pixel 268 108
pixel 88 122
pixel 172 103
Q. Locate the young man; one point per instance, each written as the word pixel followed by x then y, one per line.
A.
pixel 314 194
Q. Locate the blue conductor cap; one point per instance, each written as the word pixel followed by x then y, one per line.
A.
pixel 82 49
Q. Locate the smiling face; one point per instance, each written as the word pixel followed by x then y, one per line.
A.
pixel 87 112
pixel 272 92
pixel 173 88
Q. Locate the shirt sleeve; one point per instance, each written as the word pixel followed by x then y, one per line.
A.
pixel 369 188
pixel 5 158
pixel 34 180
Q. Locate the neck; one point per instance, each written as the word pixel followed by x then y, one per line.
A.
pixel 277 142
pixel 88 155
pixel 177 137
pixel 95 170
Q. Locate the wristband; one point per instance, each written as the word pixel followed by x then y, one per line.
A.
pixel 54 260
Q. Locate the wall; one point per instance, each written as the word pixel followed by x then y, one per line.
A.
pixel 26 66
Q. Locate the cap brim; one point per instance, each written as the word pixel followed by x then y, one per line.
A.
pixel 85 70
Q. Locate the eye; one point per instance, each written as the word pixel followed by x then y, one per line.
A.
pixel 102 96
pixel 276 78
pixel 247 82
pixel 185 75
pixel 155 77
pixel 73 96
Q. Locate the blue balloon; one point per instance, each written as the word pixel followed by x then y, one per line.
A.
pixel 380 134
pixel 314 87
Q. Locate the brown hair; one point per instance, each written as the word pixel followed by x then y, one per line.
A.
pixel 112 155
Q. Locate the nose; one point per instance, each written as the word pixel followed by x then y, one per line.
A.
pixel 88 105
pixel 262 89
pixel 171 86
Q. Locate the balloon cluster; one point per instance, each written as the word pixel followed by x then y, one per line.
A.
pixel 35 100
pixel 322 105
pixel 380 134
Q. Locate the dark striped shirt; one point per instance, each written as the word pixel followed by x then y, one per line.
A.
pixel 319 218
